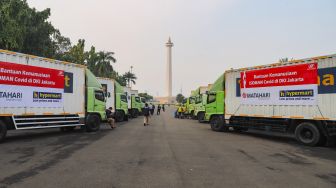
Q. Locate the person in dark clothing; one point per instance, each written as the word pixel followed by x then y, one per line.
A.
pixel 163 107
pixel 158 110
pixel 152 109
pixel 146 113
pixel 110 117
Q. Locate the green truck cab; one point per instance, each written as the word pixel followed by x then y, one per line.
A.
pixel 190 106
pixel 200 102
pixel 136 106
pixel 214 107
pixel 121 103
pixel 95 102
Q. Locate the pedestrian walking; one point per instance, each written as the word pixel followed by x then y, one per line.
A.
pixel 158 110
pixel 163 107
pixel 110 117
pixel 152 109
pixel 146 113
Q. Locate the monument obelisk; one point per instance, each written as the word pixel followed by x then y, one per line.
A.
pixel 169 46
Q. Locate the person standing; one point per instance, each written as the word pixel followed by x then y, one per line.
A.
pixel 163 107
pixel 158 110
pixel 179 111
pixel 146 113
pixel 110 117
pixel 152 109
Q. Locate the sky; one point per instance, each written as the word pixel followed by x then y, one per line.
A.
pixel 209 36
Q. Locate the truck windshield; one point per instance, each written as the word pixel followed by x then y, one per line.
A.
pixel 143 100
pixel 191 100
pixel 198 99
pixel 137 99
pixel 211 98
pixel 123 98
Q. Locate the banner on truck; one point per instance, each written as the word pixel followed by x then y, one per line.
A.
pixel 30 86
pixel 287 85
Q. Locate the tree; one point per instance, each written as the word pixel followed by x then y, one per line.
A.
pixel 129 77
pixel 103 66
pixel 179 98
pixel 24 29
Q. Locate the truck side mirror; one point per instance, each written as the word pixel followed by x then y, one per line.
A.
pixel 108 94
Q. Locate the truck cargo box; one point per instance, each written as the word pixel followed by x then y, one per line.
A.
pixel 317 105
pixel 36 86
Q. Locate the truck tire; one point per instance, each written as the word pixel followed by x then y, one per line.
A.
pixel 200 117
pixel 3 131
pixel 120 116
pixel 92 123
pixel 308 134
pixel 216 124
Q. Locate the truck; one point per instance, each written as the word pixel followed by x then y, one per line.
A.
pixel 296 97
pixel 37 93
pixel 200 102
pixel 115 97
pixel 134 103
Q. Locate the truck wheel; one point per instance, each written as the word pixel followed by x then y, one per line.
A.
pixel 92 123
pixel 217 124
pixel 3 131
pixel 120 116
pixel 308 134
pixel 200 117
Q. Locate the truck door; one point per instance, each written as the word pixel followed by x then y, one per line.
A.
pixel 99 102
pixel 211 106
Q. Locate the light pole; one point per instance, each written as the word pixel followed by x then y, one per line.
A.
pixel 130 82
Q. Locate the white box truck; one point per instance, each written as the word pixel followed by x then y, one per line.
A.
pixel 40 93
pixel 297 97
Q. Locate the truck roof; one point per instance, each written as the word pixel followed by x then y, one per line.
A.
pixel 305 60
pixel 41 58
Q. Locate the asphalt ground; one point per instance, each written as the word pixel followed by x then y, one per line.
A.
pixel 167 153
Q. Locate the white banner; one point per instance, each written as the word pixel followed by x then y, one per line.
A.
pixel 280 95
pixel 26 96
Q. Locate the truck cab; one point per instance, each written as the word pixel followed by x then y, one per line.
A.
pixel 200 102
pixel 214 108
pixel 190 105
pixel 136 106
pixel 95 100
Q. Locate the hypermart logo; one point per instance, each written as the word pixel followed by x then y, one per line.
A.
pixel 11 96
pixel 46 95
pixel 297 93
pixel 260 96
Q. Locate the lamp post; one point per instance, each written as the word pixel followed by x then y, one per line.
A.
pixel 130 82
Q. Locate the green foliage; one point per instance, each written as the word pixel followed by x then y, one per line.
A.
pixel 129 77
pixel 26 30
pixel 179 98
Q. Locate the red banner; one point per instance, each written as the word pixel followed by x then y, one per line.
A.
pixel 27 75
pixel 302 74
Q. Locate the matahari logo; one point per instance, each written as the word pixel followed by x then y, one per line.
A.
pixel 311 66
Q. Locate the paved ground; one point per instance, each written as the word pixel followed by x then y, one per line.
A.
pixel 168 153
